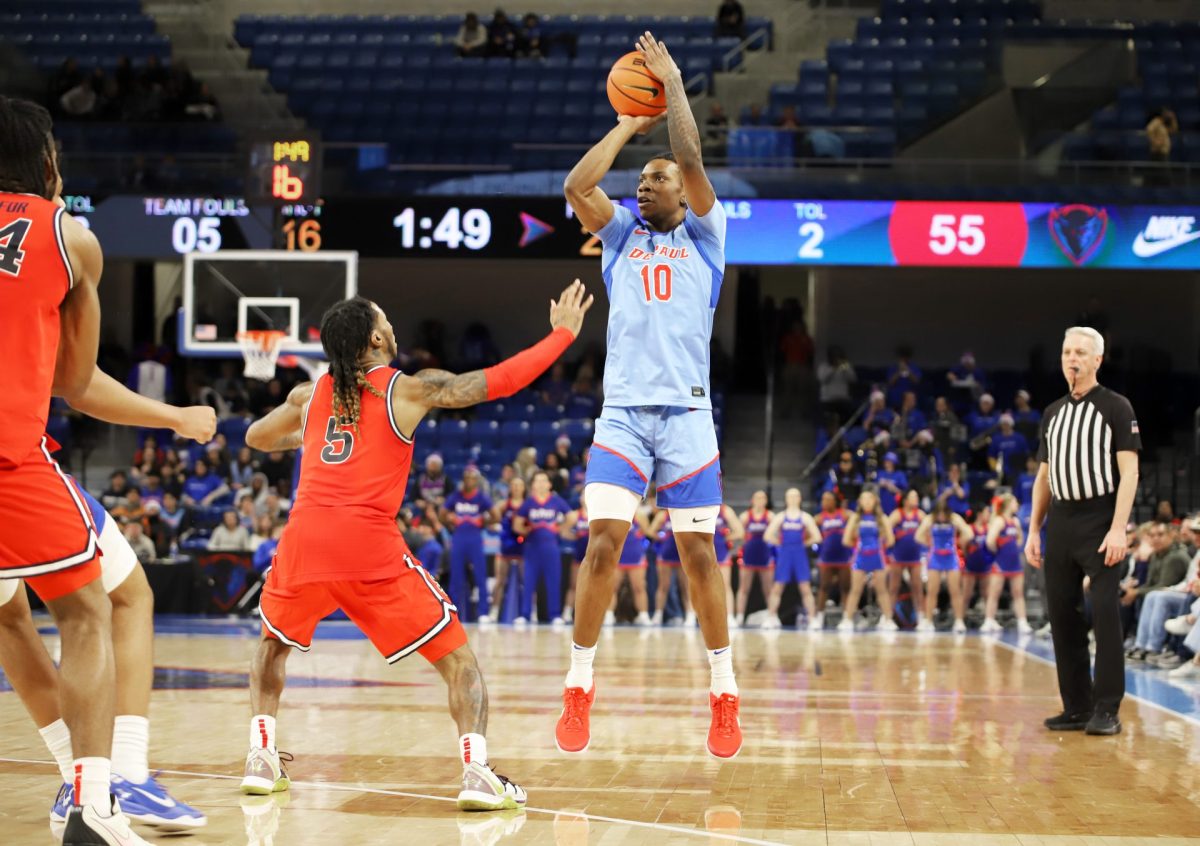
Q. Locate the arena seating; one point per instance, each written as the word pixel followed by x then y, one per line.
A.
pixel 94 32
pixel 378 78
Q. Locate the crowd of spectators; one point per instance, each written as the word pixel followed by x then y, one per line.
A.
pixel 152 93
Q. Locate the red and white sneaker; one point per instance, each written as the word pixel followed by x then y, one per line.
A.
pixel 573 732
pixel 725 730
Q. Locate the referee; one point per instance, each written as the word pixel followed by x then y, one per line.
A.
pixel 1086 481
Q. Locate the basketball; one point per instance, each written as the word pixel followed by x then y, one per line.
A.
pixel 633 90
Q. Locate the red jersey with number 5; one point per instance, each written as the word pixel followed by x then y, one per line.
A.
pixel 352 482
pixel 35 276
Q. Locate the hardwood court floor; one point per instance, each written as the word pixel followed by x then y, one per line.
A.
pixel 863 739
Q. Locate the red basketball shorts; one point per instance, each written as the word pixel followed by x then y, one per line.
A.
pixel 401 615
pixel 46 532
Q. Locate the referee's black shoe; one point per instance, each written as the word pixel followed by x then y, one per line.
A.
pixel 1105 724
pixel 1068 722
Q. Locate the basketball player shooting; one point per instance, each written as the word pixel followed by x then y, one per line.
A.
pixel 662 270
pixel 342 548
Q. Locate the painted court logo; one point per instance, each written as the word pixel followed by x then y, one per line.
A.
pixel 1078 230
pixel 1163 233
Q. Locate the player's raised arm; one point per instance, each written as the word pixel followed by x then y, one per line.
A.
pixel 582 186
pixel 415 395
pixel 79 318
pixel 681 124
pixel 107 399
pixel 283 428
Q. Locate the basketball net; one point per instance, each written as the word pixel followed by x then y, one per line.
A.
pixel 260 349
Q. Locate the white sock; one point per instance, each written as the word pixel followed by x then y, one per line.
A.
pixel 262 732
pixel 580 674
pixel 130 749
pixel 58 741
pixel 721 662
pixel 92 784
pixel 472 748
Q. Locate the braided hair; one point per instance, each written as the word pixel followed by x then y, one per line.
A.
pixel 345 335
pixel 25 145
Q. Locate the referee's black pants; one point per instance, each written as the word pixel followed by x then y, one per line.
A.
pixel 1074 532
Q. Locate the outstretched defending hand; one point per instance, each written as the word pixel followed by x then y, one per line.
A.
pixel 197 422
pixel 569 309
pixel 642 124
pixel 658 60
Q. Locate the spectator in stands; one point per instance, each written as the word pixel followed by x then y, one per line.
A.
pixel 429 551
pixel 152 490
pixel 731 20
pixel 153 75
pixel 142 546
pixel 216 459
pixel 753 116
pixel 562 449
pixel 955 491
pixel 230 536
pixel 1007 451
pixel 501 36
pixel 1168 564
pixel 1159 129
pixel 67 77
pixel 1188 537
pixel 274 506
pixel 787 118
pixel 796 351
pixel 966 381
pixel 80 101
pixel 247 513
pixel 1164 512
pixel 264 553
pixel 946 429
pixel 433 486
pixel 982 424
pixel 529 37
pixel 1028 419
pixel 203 488
pixel 526 463
pixel 118 487
pixel 716 129
pixel 242 469
pixel 893 483
pixel 583 404
pixel 556 387
pixel 203 105
pixel 844 480
pixel 503 484
pixel 131 510
pixel 278 468
pixel 260 532
pixel 560 476
pixel 836 377
pixel 908 422
pixel 150 454
pixel 172 515
pixel 1157 608
pixel 878 418
pixel 903 377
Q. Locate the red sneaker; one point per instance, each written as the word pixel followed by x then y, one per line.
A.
pixel 725 731
pixel 573 734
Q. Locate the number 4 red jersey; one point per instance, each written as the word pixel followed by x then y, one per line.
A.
pixel 352 482
pixel 35 276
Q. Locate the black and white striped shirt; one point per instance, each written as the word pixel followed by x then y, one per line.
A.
pixel 1080 439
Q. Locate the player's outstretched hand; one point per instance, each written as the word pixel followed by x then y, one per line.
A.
pixel 568 310
pixel 197 422
pixel 642 123
pixel 658 60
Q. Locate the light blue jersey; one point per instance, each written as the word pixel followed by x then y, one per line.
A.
pixel 662 290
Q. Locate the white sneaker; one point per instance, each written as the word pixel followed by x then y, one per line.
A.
pixel 85 827
pixel 642 619
pixel 990 627
pixel 557 623
pixel 771 623
pixel 520 622
pixel 846 625
pixel 817 623
pixel 485 621
pixel 960 627
pixel 656 618
pixel 926 625
pixel 1178 626
pixel 1185 672
pixel 1023 627
pixel 731 622
pixel 485 790
pixel 264 772
pixel 610 619
pixel 568 613
pixel 886 624
pixel 689 620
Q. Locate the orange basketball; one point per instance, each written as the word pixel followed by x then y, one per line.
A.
pixel 633 90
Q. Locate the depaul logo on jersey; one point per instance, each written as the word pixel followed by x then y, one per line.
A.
pixel 660 252
pixel 1164 232
pixel 1078 230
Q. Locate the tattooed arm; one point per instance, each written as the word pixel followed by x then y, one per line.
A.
pixel 681 125
pixel 283 428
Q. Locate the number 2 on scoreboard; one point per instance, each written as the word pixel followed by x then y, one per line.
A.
pixel 660 288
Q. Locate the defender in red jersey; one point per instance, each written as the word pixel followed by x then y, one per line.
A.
pixel 50 266
pixel 342 548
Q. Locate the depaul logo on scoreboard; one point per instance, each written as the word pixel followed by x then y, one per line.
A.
pixel 1078 230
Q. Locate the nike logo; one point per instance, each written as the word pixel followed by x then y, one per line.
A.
pixel 165 801
pixel 1165 233
pixel 701 519
pixel 719 651
pixel 651 90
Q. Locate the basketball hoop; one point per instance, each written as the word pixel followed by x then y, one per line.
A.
pixel 260 349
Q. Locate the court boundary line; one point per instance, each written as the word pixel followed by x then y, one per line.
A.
pixel 349 788
pixel 1139 699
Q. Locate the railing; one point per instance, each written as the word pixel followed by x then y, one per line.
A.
pixel 834 441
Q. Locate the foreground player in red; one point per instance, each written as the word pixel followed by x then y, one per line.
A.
pixel 342 548
pixel 50 268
